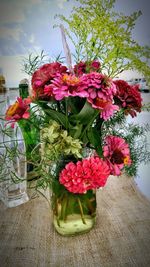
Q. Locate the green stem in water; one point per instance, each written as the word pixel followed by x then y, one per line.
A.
pixel 57 216
pixel 81 211
pixel 91 208
pixel 63 208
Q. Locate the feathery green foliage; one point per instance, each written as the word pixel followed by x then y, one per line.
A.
pixel 98 32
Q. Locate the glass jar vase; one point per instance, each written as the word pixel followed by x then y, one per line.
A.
pixel 73 213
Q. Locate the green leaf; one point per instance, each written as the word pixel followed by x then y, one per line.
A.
pixel 95 139
pixel 85 115
pixel 59 117
pixel 76 104
pixel 76 131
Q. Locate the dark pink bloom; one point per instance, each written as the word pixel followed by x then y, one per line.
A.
pixel 44 75
pixel 99 86
pixel 95 65
pixel 86 67
pixel 87 174
pixel 80 68
pixel 48 91
pixel 117 154
pixel 67 85
pixel 18 110
pixel 101 90
pixel 128 97
pixel 106 108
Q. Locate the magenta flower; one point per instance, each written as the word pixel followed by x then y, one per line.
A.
pixel 87 174
pixel 107 108
pixel 99 86
pixel 101 90
pixel 68 85
pixel 43 77
pixel 117 154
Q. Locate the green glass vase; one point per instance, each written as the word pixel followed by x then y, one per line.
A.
pixel 23 90
pixel 31 137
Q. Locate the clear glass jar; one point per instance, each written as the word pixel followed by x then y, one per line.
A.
pixel 73 213
pixel 13 167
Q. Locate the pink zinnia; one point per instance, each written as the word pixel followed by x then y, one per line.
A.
pixel 85 175
pixel 18 110
pixel 99 86
pixel 101 91
pixel 67 85
pixel 107 108
pixel 117 154
pixel 44 75
pixel 128 97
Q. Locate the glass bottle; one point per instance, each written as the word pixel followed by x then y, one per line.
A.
pixel 24 88
pixel 13 169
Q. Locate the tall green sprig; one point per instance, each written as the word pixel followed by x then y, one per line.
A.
pixel 98 32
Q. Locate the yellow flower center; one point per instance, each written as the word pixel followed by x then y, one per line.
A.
pixel 70 79
pixel 12 109
pixel 126 160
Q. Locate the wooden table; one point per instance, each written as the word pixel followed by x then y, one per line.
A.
pixel 120 238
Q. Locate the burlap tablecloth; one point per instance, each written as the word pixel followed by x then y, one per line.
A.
pixel 121 236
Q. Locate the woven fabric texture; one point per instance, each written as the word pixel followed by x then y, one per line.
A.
pixel 120 238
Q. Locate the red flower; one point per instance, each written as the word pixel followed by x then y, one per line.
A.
pixel 95 65
pixel 128 97
pixel 43 77
pixel 84 175
pixel 18 110
pixel 80 68
pixel 85 67
pixel 116 153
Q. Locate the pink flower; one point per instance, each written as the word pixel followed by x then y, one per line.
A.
pixel 67 85
pixel 48 91
pixel 18 110
pixel 101 90
pixel 43 77
pixel 117 154
pixel 85 175
pixel 128 97
pixel 106 108
pixel 98 86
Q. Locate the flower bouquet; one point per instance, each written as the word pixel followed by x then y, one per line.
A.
pixel 76 146
pixel 74 122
